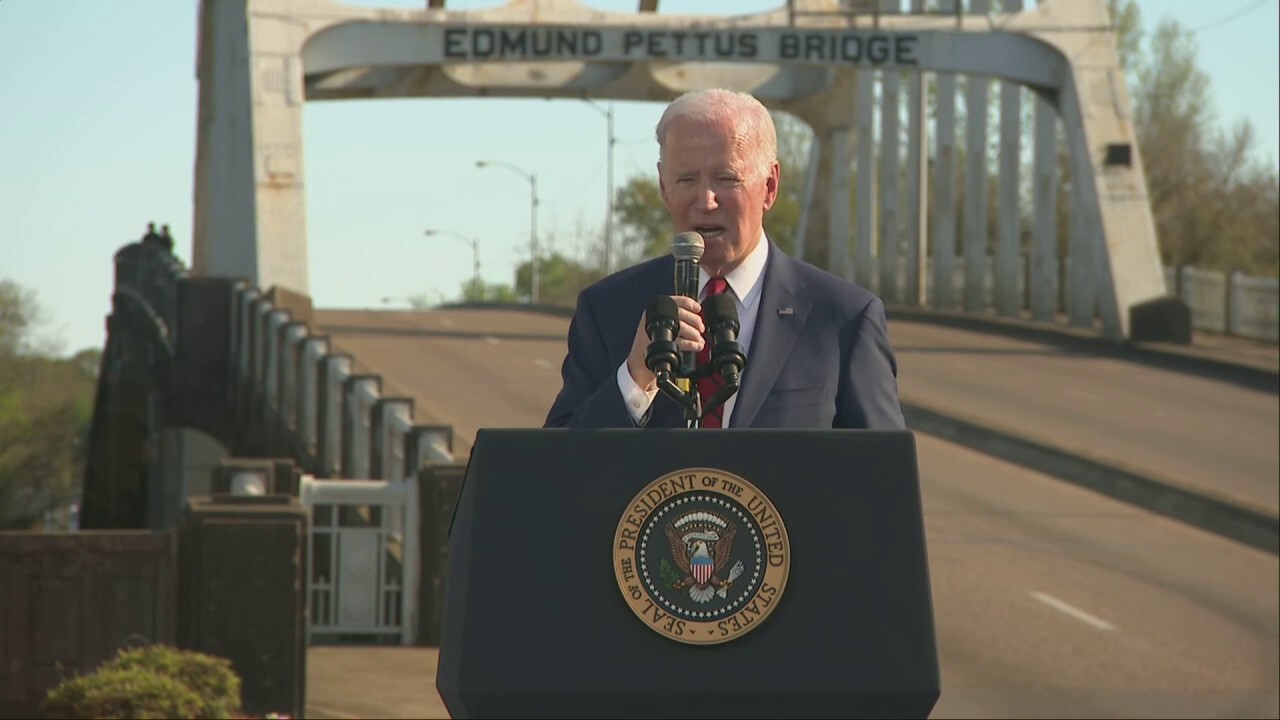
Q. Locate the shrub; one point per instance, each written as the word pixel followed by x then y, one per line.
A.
pixel 150 682
pixel 211 678
pixel 122 693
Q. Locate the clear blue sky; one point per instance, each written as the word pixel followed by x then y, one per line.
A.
pixel 97 137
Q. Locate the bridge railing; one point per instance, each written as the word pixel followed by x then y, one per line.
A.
pixel 298 395
pixel 1230 303
pixel 301 396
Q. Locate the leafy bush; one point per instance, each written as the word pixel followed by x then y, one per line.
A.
pixel 122 693
pixel 210 677
pixel 151 681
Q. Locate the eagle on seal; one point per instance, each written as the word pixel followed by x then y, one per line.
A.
pixel 701 544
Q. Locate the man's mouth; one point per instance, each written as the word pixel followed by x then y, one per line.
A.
pixel 710 231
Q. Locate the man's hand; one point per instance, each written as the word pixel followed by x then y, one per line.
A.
pixel 688 340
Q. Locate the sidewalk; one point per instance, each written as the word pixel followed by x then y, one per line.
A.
pixel 372 681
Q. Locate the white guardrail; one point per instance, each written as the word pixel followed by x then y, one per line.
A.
pixel 308 400
pixel 1230 303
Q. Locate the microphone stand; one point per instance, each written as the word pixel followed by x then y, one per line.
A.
pixel 683 390
pixel 726 391
pixel 689 400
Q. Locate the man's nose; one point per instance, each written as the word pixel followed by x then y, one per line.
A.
pixel 706 200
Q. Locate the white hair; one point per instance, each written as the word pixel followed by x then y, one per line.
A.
pixel 750 119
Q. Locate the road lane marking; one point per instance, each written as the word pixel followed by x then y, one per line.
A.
pixel 1074 612
pixel 544 364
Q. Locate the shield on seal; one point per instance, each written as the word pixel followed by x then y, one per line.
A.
pixel 702 568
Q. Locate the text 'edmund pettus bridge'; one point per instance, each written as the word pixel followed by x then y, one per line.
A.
pixel 511 43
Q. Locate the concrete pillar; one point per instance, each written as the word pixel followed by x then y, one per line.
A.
pixel 224 234
pixel 250 216
pixel 438 489
pixel 1106 168
pixel 242 593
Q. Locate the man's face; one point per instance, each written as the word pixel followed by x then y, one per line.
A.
pixel 711 186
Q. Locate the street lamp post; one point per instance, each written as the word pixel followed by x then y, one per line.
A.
pixel 533 219
pixel 475 254
pixel 608 217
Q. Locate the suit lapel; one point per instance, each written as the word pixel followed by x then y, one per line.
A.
pixel 779 319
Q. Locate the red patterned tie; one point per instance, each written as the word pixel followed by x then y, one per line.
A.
pixel 710 384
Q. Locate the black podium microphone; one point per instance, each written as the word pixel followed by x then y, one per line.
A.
pixel 661 323
pixel 687 248
pixel 722 324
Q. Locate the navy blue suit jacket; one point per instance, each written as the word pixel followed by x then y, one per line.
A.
pixel 819 357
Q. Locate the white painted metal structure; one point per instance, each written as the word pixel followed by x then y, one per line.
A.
pixel 259 60
pixel 362 574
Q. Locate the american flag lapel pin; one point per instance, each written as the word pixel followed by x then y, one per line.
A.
pixel 786 311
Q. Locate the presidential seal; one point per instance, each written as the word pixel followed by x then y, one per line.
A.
pixel 701 556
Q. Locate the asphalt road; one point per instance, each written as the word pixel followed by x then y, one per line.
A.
pixel 1050 600
pixel 1196 431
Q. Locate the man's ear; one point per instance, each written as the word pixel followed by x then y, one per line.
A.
pixel 662 187
pixel 771 182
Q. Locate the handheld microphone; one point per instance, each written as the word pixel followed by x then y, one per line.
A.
pixel 661 322
pixel 722 321
pixel 687 249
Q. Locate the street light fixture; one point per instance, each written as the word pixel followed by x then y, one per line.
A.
pixel 533 219
pixel 608 218
pixel 475 255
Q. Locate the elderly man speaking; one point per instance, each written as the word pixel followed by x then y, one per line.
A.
pixel 818 355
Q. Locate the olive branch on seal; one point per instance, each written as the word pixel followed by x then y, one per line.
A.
pixel 670 576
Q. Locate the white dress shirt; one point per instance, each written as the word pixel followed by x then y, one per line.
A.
pixel 745 287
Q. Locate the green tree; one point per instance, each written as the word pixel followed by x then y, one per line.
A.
pixel 17 313
pixel 488 292
pixel 560 279
pixel 1212 199
pixel 45 411
pixel 641 219
pixel 1126 20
